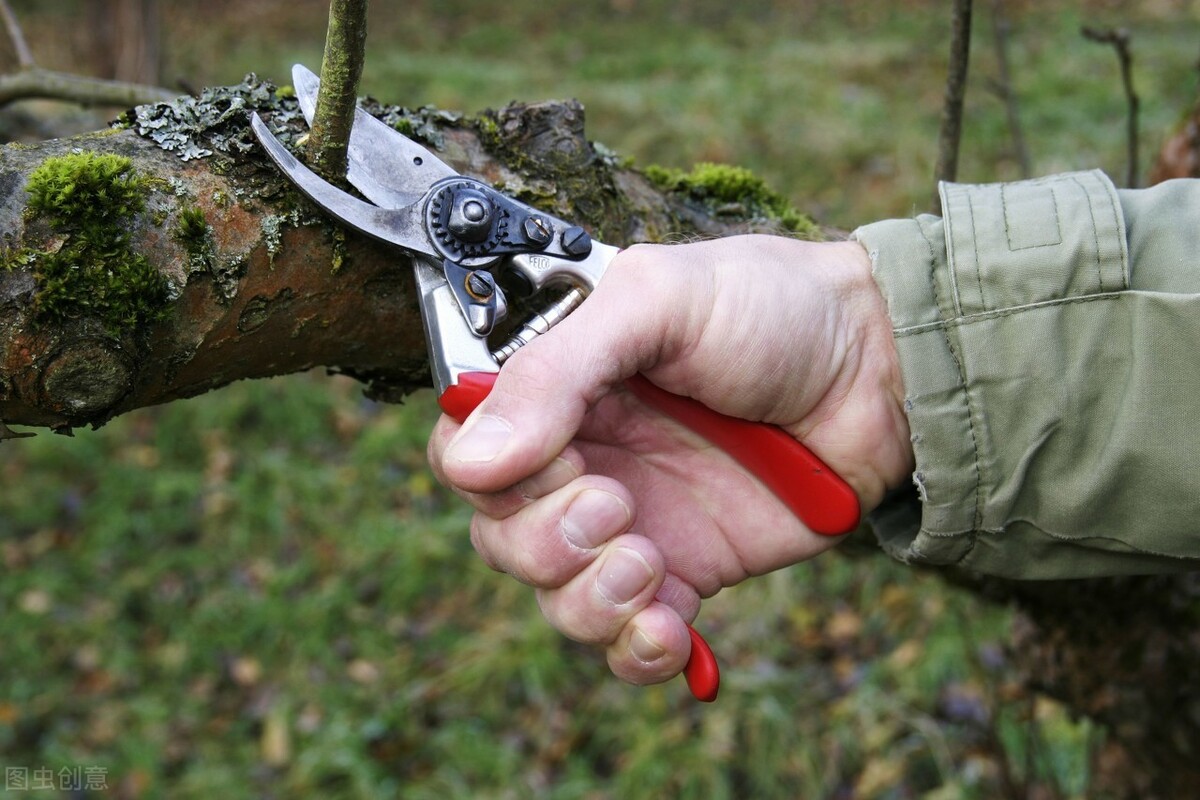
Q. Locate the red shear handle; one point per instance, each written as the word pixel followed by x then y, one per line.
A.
pixel 815 494
pixel 459 400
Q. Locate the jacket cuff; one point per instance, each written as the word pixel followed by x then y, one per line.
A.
pixel 1000 249
pixel 908 259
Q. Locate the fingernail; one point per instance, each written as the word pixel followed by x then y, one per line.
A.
pixel 594 517
pixel 644 648
pixel 623 576
pixel 481 440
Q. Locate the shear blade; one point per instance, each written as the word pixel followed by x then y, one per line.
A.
pixel 383 164
pixel 399 226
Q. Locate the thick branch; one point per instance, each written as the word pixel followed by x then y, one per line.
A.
pixel 263 284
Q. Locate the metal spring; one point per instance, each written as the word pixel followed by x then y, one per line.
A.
pixel 539 323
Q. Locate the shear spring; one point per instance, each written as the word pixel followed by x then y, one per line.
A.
pixel 539 323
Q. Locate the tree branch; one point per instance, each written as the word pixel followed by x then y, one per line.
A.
pixel 260 283
pixel 950 130
pixel 16 36
pixel 1119 39
pixel 1004 87
pixel 44 83
pixel 341 69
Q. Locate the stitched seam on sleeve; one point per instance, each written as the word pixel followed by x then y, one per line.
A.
pixel 948 218
pixel 976 514
pixel 968 319
pixel 1120 231
pixel 975 251
pixel 1095 234
pixel 1008 229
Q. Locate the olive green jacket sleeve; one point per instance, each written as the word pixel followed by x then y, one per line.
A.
pixel 1049 339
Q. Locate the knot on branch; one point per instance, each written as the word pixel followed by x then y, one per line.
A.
pixel 554 167
pixel 546 135
pixel 86 379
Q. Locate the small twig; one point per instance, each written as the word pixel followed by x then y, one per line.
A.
pixel 1119 39
pixel 950 131
pixel 16 36
pixel 341 68
pixel 38 82
pixel 1004 87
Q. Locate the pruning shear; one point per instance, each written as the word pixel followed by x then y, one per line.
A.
pixel 461 234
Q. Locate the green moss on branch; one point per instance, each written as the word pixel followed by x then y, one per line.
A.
pixel 88 200
pixel 727 189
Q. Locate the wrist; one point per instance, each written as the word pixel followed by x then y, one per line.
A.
pixel 869 392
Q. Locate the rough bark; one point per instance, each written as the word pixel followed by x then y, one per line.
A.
pixel 263 297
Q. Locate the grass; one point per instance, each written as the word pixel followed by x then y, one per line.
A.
pixel 262 592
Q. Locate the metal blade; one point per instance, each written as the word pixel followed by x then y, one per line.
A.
pixel 403 226
pixel 383 164
pixel 307 85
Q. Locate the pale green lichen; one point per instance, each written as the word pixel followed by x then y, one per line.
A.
pixel 730 190
pixel 272 229
pixel 89 200
pixel 214 122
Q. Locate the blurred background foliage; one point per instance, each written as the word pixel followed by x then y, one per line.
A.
pixel 263 593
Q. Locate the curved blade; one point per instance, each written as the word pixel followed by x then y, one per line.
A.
pixel 383 164
pixel 399 226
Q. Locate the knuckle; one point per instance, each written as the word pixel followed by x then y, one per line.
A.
pixel 577 620
pixel 481 539
pixel 543 560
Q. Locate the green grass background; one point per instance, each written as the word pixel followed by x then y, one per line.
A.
pixel 262 592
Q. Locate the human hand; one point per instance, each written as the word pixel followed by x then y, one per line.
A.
pixel 621 518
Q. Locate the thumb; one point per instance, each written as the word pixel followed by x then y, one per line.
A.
pixel 546 388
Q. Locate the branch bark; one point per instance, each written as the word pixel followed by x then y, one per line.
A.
pixel 51 85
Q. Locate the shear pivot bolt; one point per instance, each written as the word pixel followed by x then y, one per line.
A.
pixel 473 211
pixel 470 216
